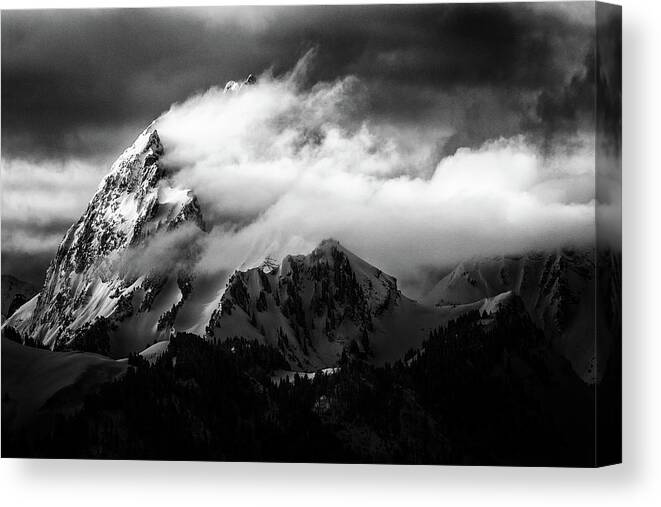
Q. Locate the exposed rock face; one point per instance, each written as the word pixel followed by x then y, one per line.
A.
pixel 90 283
pixel 312 307
pixel 315 307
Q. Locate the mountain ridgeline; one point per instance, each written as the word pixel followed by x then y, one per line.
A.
pixel 101 295
pixel 318 357
pixel 312 307
pixel 558 291
pixel 105 293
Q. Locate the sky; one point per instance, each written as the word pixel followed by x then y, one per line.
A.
pixel 416 135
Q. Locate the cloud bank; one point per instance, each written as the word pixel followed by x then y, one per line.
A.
pixel 428 80
pixel 277 167
pixel 40 200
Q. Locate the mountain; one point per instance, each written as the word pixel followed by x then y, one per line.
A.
pixel 120 281
pixel 557 289
pixel 96 296
pixel 15 293
pixel 122 274
pixel 123 278
pixel 234 86
pixel 313 307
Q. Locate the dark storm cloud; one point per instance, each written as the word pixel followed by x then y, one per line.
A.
pixel 65 72
pixel 77 86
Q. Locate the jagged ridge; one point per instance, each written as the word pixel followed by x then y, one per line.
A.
pixel 84 289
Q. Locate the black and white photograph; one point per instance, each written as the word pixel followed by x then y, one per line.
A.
pixel 376 234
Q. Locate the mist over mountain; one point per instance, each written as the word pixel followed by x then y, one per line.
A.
pixel 390 66
pixel 269 162
pixel 177 232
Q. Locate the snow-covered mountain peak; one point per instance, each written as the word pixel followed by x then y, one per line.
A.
pixel 333 250
pixel 137 161
pixel 327 246
pixel 311 307
pixel 134 202
pixel 556 288
pixel 147 142
pixel 235 86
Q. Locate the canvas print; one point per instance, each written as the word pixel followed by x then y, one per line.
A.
pixel 345 234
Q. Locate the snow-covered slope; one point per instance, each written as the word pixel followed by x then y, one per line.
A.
pixel 91 287
pixel 557 289
pixel 100 296
pixel 32 377
pixel 314 306
pixel 15 293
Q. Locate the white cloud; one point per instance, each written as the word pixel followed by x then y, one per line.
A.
pixel 24 240
pixel 277 169
pixel 40 200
